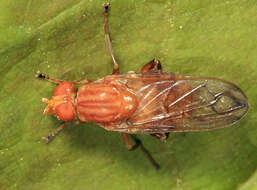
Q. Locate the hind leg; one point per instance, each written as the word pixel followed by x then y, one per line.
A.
pixel 161 136
pixel 151 66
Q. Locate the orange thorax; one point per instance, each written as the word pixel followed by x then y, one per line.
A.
pixel 105 103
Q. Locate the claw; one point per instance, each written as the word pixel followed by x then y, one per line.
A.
pixel 47 139
pixel 40 75
pixel 45 100
pixel 106 5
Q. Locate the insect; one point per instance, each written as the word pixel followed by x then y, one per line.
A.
pixel 147 102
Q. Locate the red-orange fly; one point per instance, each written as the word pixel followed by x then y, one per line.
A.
pixel 148 102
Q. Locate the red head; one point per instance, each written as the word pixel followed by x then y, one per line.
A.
pixel 62 104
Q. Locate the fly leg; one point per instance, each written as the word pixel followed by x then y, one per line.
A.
pixel 51 135
pixel 161 136
pixel 56 81
pixel 151 65
pixel 108 41
pixel 84 81
pixel 45 77
pixel 137 144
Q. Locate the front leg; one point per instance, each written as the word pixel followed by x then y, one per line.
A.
pixel 43 76
pixel 56 81
pixel 138 143
pixel 51 135
pixel 151 66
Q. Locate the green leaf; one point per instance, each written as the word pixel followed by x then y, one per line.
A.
pixel 65 39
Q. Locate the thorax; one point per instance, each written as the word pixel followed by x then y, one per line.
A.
pixel 105 102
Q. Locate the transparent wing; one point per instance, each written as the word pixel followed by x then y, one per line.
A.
pixel 169 102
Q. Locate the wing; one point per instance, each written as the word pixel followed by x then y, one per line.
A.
pixel 169 102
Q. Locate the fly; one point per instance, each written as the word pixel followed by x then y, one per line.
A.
pixel 147 102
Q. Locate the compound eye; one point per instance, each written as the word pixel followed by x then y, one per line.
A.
pixel 63 89
pixel 65 112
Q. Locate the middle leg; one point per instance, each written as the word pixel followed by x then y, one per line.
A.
pixel 137 144
pixel 108 41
